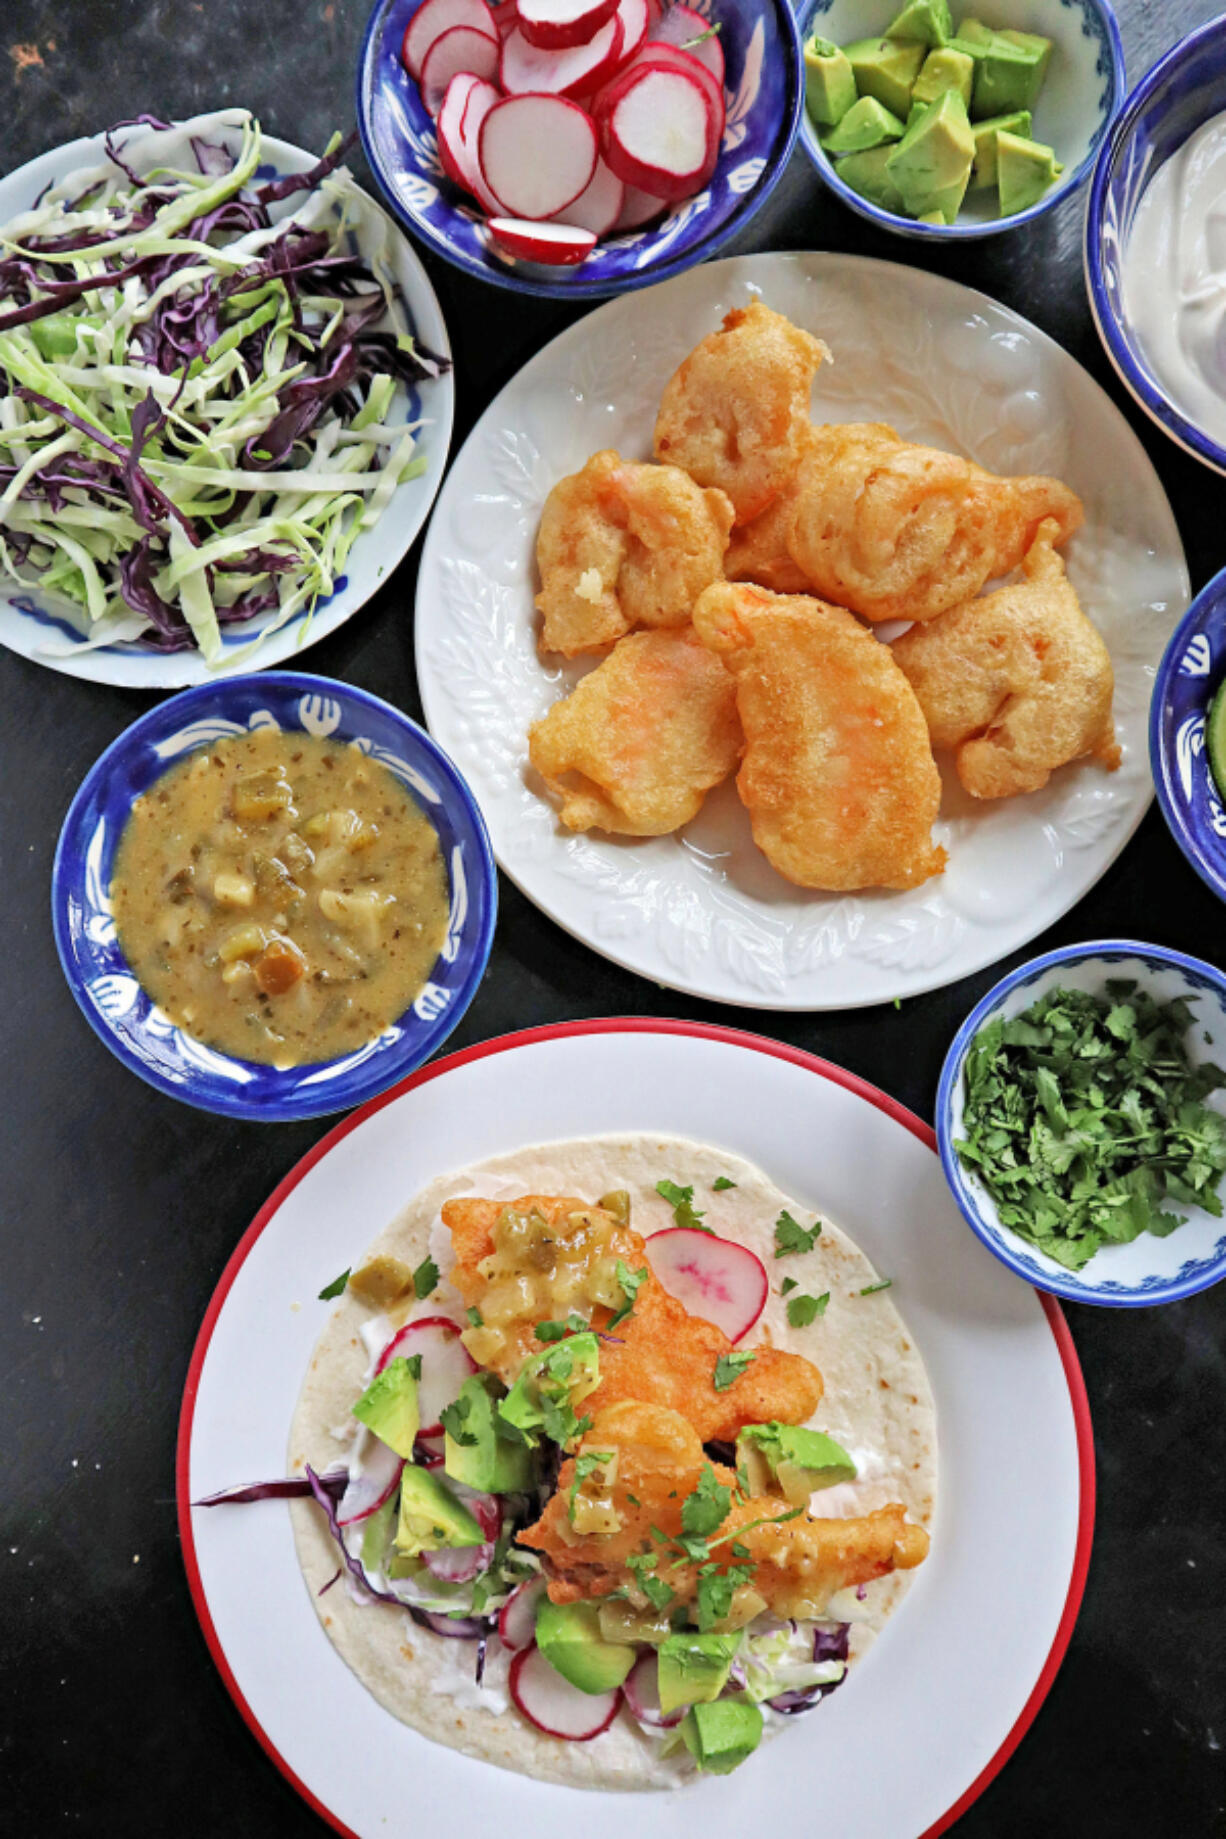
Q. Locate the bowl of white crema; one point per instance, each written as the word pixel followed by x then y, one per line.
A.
pixel 1155 243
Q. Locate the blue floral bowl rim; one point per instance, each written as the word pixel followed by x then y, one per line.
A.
pixel 998 1240
pixel 1140 386
pixel 1211 599
pixel 970 232
pixel 576 288
pixel 382 1069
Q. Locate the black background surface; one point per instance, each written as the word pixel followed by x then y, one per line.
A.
pixel 120 1207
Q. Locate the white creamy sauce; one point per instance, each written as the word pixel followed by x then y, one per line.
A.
pixel 1174 274
pixel 453 1672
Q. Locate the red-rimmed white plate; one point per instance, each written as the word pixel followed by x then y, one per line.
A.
pixel 940 1702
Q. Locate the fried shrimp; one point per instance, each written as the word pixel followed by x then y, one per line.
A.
pixel 535 1258
pixel 895 531
pixel 640 741
pixel 759 550
pixel 1018 682
pixel 838 776
pixel 735 414
pixel 623 544
pixel 792 1564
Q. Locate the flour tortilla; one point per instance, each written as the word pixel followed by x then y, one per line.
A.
pixel 877 1403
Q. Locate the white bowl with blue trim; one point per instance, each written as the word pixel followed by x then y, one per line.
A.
pixel 1149 1270
pixel 122 1013
pixel 1081 95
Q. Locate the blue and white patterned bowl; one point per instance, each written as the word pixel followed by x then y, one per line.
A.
pixel 1083 91
pixel 1182 91
pixel 1192 670
pixel 116 1006
pixel 764 94
pixel 1150 1270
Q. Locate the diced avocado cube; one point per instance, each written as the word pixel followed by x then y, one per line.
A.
pixel 565 1373
pixel 926 20
pixel 1025 169
pixel 431 1516
pixel 376 1531
pixel 1033 43
pixel 568 1635
pixel 887 68
pixel 983 172
pixel 474 1453
pixel 866 174
pixel 830 83
pixel 388 1407
pixel 720 1736
pixel 793 1459
pixel 936 218
pixel 932 162
pixel 694 1668
pixel 865 125
pixel 1009 67
pixel 944 70
pixel 976 33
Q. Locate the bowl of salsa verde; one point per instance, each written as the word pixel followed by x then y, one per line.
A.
pixel 273 896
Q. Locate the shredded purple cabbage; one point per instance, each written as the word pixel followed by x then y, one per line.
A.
pixel 292 1487
pixel 826 1646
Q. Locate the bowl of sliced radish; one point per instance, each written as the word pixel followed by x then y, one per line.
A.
pixel 578 146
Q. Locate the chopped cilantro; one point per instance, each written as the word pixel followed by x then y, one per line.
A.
pixel 476 1320
pixel 413 1362
pixel 721 1184
pixel 788 1284
pixel 335 1287
pixel 454 1419
pixel 658 1593
pixel 738 1550
pixel 805 1309
pixel 791 1236
pixel 707 1507
pixel 586 1465
pixel 871 1289
pixel 425 1277
pixel 1086 1114
pixel 728 1369
pixel 681 1200
pixel 716 1590
pixel 631 1282
pixel 634 1500
pixel 555 1331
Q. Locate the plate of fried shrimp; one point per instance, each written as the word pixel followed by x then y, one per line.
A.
pixel 795 623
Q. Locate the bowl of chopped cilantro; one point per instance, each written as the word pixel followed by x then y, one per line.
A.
pixel 1081 1120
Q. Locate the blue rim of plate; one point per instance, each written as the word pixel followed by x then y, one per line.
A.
pixel 378 1070
pixel 970 232
pixel 573 287
pixel 1177 812
pixel 1197 1273
pixel 1142 387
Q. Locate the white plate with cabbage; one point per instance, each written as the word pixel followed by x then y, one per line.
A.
pixel 225 401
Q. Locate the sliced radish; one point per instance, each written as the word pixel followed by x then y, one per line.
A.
pixel 485 1508
pixel 658 133
pixel 445 1365
pixel 665 57
pixel 458 1564
pixel 366 1493
pixel 639 208
pixel 598 208
pixel 523 70
pixel 538 153
pixel 688 31
pixel 714 1278
pixel 449 126
pixel 434 18
pixel 428 1452
pixel 481 99
pixel 557 245
pixel 505 17
pixel 517 1617
pixel 554 1705
pixel 460 52
pixel 634 17
pixel 555 25
pixel 642 1689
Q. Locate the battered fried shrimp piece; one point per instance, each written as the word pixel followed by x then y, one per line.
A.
pixel 533 1259
pixel 639 742
pixel 736 413
pixel 1018 682
pixel 895 531
pixel 838 776
pixel 623 544
pixel 759 550
pixel 798 1563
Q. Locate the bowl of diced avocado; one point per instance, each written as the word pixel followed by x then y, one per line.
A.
pixel 958 118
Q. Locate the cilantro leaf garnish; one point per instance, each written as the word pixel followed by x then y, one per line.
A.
pixel 335 1287
pixel 716 1590
pixel 631 1282
pixel 681 1200
pixel 728 1369
pixel 413 1362
pixel 555 1331
pixel 586 1465
pixel 706 1509
pixel 658 1593
pixel 805 1309
pixel 871 1289
pixel 425 1278
pixel 722 1183
pixel 791 1236
pixel 454 1419
pixel 1086 1115
pixel 475 1318
pixel 788 1284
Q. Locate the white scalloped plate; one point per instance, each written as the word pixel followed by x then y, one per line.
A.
pixel 702 911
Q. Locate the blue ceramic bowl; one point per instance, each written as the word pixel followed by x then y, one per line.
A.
pixel 1170 102
pixel 1192 670
pixel 100 978
pixel 1149 1270
pixel 1083 91
pixel 764 93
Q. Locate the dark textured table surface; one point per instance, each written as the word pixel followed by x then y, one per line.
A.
pixel 120 1207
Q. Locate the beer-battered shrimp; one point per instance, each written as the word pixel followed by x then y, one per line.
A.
pixel 896 531
pixel 759 550
pixel 623 544
pixel 838 777
pixel 735 414
pixel 640 741
pixel 1018 682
